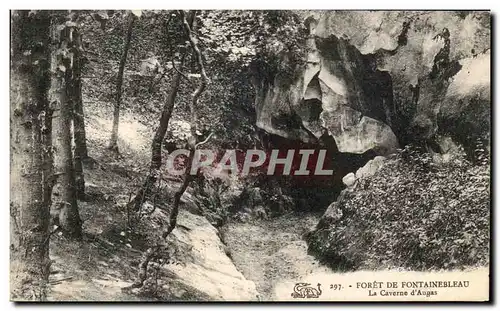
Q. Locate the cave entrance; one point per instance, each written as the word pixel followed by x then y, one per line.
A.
pixel 310 192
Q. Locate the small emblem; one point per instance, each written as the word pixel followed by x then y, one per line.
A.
pixel 304 290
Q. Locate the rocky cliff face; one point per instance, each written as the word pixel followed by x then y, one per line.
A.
pixel 340 92
pixel 377 80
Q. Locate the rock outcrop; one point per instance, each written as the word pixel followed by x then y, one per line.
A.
pixel 439 63
pixel 369 169
pixel 200 267
pixel 349 179
pixel 374 80
pixel 338 91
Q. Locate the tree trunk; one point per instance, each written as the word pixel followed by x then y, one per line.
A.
pixel 64 203
pixel 113 144
pixel 75 89
pixel 191 145
pixel 79 116
pixel 29 214
pixel 144 192
pixel 48 175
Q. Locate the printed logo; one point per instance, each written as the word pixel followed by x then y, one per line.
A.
pixel 304 290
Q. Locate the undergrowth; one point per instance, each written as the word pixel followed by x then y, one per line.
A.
pixel 412 214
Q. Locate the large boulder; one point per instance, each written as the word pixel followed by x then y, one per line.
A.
pixel 370 168
pixel 349 179
pixel 439 63
pixel 338 91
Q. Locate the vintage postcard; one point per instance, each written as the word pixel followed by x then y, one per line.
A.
pixel 250 155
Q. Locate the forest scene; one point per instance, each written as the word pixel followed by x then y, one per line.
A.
pixel 159 155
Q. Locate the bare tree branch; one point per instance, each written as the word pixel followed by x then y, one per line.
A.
pixel 205 141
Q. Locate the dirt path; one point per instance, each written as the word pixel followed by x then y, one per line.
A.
pixel 269 252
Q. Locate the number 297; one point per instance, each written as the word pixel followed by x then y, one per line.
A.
pixel 336 286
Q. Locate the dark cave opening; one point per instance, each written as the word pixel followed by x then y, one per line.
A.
pixel 311 192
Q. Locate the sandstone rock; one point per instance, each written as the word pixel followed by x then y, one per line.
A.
pixel 370 168
pixel 359 137
pixel 374 80
pixel 337 90
pixel 465 110
pixel 349 179
pixel 439 63
pixel 375 30
pixel 204 269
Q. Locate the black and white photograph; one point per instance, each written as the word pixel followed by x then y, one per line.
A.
pixel 244 155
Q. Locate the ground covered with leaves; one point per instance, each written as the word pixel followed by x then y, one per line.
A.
pixel 269 252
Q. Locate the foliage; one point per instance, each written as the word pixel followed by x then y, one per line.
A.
pixel 412 213
pixel 240 198
pixel 234 43
pixel 240 35
pixel 282 49
pixel 179 132
pixel 213 198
